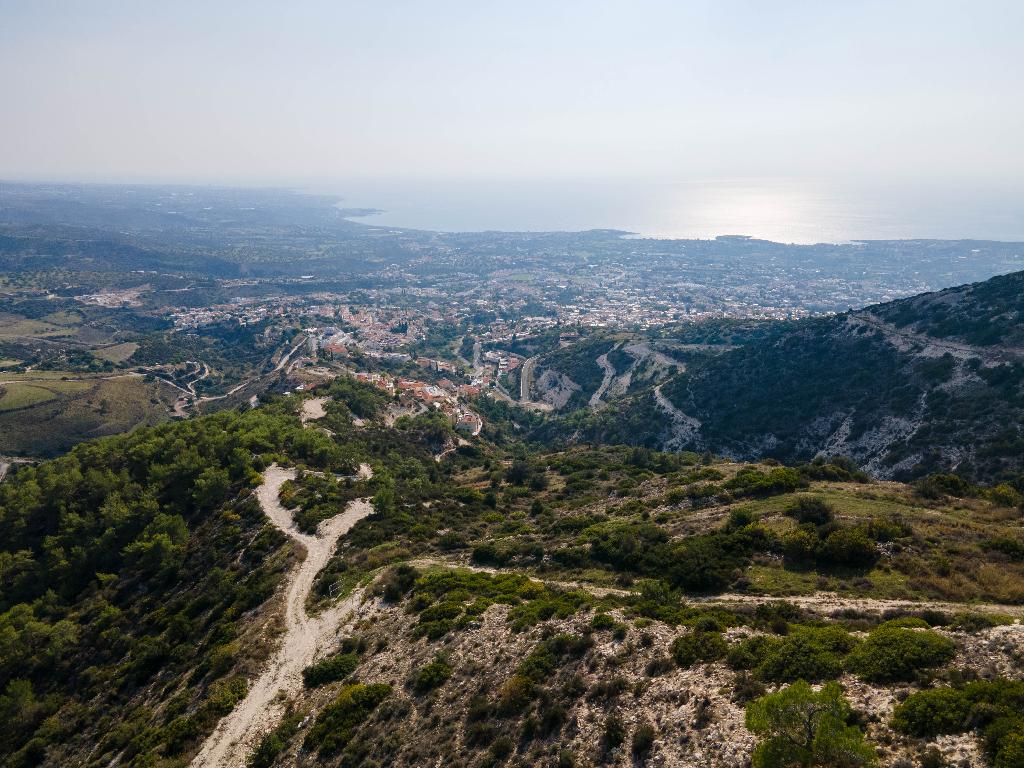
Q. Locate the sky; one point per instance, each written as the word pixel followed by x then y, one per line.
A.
pixel 243 91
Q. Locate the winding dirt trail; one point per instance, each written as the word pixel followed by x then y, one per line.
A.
pixel 683 429
pixel 596 400
pixel 237 734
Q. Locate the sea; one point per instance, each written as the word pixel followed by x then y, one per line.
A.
pixel 782 210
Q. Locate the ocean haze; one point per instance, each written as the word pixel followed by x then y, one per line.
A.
pixel 255 92
pixel 782 210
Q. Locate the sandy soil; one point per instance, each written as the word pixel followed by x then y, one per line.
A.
pixel 230 745
pixel 313 408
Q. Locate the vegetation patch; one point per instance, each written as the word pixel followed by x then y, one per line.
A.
pixel 336 667
pixel 801 727
pixel 894 653
pixel 335 726
pixel 451 599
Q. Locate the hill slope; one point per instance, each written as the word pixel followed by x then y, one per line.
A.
pixel 608 605
pixel 930 383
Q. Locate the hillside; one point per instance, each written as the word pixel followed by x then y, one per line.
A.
pixel 497 606
pixel 931 383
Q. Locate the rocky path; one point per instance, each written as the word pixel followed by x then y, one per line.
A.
pixel 830 604
pixel 997 352
pixel 230 745
pixel 820 603
pixel 683 429
pixel 596 399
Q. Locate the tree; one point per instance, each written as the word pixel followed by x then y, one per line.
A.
pixel 800 727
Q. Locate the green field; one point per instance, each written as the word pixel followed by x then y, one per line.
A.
pixel 14 326
pixel 48 417
pixel 15 396
pixel 118 353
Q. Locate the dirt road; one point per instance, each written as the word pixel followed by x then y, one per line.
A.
pixel 819 603
pixel 596 403
pixel 230 745
pixel 684 429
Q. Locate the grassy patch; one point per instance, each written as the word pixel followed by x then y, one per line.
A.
pixel 118 353
pixel 78 410
pixel 15 396
pixel 776 580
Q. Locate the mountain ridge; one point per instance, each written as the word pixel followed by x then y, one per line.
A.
pixel 930 383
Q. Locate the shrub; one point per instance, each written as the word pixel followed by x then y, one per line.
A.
pixel 337 723
pixel 697 646
pixel 746 687
pixel 396 583
pixel 432 675
pixel 643 741
pixel 658 666
pixel 332 668
pixel 751 482
pixel 811 510
pixel 272 744
pixel 848 547
pixel 893 654
pixel 1011 547
pixel 614 733
pixel 806 653
pixel 799 727
pixel 800 547
pixel 933 712
pixel 994 706
pixel 1005 496
pixel 749 653
pixel 939 485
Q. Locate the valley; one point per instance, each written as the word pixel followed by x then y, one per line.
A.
pixel 364 497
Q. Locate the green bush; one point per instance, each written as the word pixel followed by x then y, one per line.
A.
pixel 957 710
pixel 993 706
pixel 811 510
pixel 336 667
pixel 698 646
pixel 751 482
pixel 273 743
pixel 933 712
pixel 432 675
pixel 800 547
pixel 848 548
pixel 337 723
pixel 806 653
pixel 750 652
pixel 892 654
pixel 799 727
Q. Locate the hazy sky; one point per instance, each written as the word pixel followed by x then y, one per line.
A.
pixel 295 92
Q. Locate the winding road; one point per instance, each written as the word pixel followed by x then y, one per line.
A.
pixel 238 733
